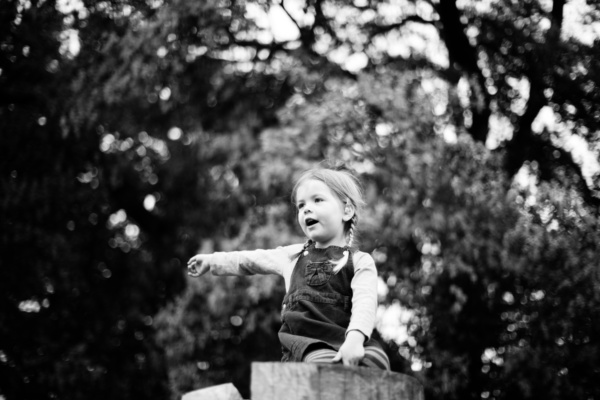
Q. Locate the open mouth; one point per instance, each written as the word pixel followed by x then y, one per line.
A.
pixel 310 222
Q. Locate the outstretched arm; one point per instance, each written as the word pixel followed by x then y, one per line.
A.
pixel 275 261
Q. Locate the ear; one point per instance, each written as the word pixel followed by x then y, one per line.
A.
pixel 348 212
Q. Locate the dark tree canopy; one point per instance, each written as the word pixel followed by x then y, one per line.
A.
pixel 136 133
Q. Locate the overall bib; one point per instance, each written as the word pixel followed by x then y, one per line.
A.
pixel 317 308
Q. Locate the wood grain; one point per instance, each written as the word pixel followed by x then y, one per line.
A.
pixel 306 381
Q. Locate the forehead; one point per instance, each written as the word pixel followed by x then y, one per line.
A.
pixel 312 187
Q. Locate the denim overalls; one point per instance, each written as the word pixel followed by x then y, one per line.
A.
pixel 317 308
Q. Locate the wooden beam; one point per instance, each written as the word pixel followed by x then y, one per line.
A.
pixel 303 381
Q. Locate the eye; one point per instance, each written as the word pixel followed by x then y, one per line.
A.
pixel 300 205
pixel 318 200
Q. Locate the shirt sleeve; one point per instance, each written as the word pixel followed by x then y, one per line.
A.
pixel 364 295
pixel 277 261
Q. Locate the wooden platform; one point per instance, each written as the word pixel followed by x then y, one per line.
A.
pixel 307 381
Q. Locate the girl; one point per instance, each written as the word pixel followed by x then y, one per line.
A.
pixel 328 311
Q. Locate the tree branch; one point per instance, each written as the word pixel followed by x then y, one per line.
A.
pixel 375 29
pixel 463 55
pixel 522 145
pixel 282 5
pixel 525 145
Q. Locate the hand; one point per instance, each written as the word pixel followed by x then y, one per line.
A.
pixel 353 350
pixel 197 265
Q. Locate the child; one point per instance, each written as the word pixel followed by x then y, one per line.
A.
pixel 329 308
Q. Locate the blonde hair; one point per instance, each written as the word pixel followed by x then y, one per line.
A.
pixel 347 188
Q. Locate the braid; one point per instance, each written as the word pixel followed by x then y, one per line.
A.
pixel 353 223
pixel 306 245
pixel 339 264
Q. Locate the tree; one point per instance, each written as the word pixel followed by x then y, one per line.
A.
pixel 105 192
pixel 509 60
pixel 127 155
pixel 78 292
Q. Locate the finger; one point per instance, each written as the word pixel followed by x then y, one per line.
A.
pixel 337 358
pixel 194 262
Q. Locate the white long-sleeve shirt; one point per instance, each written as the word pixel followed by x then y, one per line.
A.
pixel 281 261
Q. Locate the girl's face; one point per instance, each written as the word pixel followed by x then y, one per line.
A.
pixel 321 214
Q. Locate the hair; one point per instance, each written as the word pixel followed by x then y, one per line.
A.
pixel 346 186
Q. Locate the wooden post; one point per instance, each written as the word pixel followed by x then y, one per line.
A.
pixel 308 381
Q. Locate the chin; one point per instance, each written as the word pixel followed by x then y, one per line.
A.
pixel 313 238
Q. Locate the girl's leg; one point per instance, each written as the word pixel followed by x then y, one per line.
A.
pixel 375 358
pixel 320 355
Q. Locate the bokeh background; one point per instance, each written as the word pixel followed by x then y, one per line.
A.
pixel 136 133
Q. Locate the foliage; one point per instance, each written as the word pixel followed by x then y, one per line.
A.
pixel 220 325
pixel 179 127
